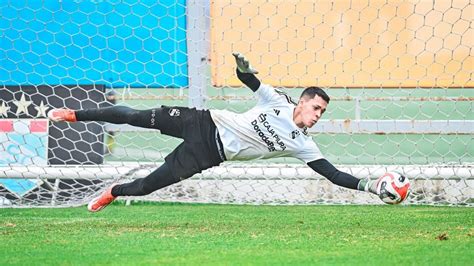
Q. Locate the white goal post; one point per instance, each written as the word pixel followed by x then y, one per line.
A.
pixel 399 74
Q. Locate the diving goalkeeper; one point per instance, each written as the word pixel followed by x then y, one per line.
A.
pixel 275 127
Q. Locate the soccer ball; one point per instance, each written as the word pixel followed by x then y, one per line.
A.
pixel 393 188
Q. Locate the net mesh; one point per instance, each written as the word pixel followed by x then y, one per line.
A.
pixel 399 74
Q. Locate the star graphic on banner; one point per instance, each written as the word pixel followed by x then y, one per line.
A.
pixel 22 105
pixel 41 109
pixel 4 109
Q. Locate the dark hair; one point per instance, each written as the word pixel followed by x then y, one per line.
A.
pixel 313 91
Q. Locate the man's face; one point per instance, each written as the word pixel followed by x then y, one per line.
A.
pixel 312 110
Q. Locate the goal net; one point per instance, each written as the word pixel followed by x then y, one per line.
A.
pixel 399 74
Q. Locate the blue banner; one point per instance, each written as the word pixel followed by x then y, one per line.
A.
pixel 114 43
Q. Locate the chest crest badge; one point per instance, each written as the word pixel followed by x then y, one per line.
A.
pixel 294 134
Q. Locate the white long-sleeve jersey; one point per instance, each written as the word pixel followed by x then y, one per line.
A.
pixel 265 131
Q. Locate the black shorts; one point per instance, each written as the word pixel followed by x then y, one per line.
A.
pixel 201 148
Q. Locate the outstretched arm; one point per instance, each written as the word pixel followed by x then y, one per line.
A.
pixel 326 169
pixel 245 72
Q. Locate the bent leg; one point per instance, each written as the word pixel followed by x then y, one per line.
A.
pixel 160 178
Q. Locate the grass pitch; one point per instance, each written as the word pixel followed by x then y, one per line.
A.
pixel 194 234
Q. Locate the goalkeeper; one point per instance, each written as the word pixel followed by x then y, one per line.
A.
pixel 275 127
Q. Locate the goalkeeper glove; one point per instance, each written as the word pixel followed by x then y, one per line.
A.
pixel 368 185
pixel 243 64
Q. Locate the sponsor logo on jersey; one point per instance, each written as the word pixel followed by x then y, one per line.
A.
pixel 153 115
pixel 277 112
pixel 174 112
pixel 262 121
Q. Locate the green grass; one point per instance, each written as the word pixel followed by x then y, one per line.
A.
pixel 193 234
